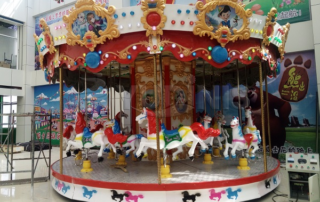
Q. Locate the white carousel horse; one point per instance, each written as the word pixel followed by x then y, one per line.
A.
pixel 132 141
pixel 219 121
pixel 239 141
pixel 250 128
pixel 84 138
pixel 170 139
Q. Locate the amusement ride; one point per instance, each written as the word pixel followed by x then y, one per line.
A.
pixel 160 53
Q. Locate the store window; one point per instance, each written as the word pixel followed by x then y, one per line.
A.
pixel 9 40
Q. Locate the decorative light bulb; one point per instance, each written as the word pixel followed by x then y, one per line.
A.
pixel 84 55
pixel 154 28
pixel 181 55
pixel 120 27
pixel 148 48
pixel 134 47
pixel 209 57
pixel 106 55
pixel 69 66
pixel 173 45
pixel 240 56
pixel 138 24
pixel 129 25
pixel 233 53
pixel 101 62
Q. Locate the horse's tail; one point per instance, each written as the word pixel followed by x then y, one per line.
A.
pixel 67 132
pixel 197 194
pixel 114 138
pixel 94 191
pixel 239 190
pixel 140 196
pixel 223 192
pixel 98 127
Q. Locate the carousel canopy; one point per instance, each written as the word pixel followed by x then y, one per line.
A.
pixel 220 35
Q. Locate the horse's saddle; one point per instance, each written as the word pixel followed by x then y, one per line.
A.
pixel 169 132
pixel 86 133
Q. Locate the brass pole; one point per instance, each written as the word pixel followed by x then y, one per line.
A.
pixel 221 95
pixel 79 91
pixel 213 92
pixel 85 94
pixel 110 109
pixel 61 118
pixel 157 119
pixel 204 88
pixel 239 100
pixel 161 90
pixel 114 95
pixel 268 117
pixel 120 96
pixel 108 95
pixel 262 119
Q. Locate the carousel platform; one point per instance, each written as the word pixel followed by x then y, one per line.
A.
pixel 191 181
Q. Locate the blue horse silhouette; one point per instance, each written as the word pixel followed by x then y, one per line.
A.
pixel 232 194
pixel 88 194
pixel 65 188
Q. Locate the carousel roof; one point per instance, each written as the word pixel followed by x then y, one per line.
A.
pixel 110 36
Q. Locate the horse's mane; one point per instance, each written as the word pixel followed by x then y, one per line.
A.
pixel 80 123
pixel 117 117
pixel 67 132
pixel 152 120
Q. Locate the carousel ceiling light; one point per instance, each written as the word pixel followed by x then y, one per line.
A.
pixel 161 48
pixel 191 22
pixel 233 53
pixel 59 62
pixel 154 47
pixel 55 27
pixel 106 55
pixel 64 25
pixel 179 11
pixel 63 36
pixel 101 62
pixel 120 27
pixel 114 57
pixel 188 11
pixel 148 48
pixel 249 58
pixel 85 64
pixel 129 57
pixel 252 30
pixel 138 24
pixel 115 16
pixel 210 48
pixel 182 22
pixel 69 66
pixel 134 47
pixel 173 45
pixel 59 27
pixel 261 32
pixel 129 25
pixel 194 54
pixel 173 22
pixel 65 58
pixel 229 59
pixel 253 50
pixel 123 14
pixel 75 63
pixel 196 12
pixel 203 52
pixel 257 31
pixel 131 12
pixel 84 55
pixel 100 52
pixel 59 37
pixel 181 55
pixel 154 28
pixel 240 57
pixel 209 57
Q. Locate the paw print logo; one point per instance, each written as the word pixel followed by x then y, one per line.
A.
pixel 295 80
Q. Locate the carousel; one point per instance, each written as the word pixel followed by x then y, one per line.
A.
pixel 161 54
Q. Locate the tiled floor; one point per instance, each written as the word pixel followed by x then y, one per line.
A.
pixel 44 193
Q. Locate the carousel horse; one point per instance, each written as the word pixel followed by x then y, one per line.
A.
pixel 239 141
pixel 131 141
pixel 85 139
pixel 219 121
pixel 170 139
pixel 250 128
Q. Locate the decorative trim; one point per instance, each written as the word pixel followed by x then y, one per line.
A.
pixel 160 6
pixel 90 39
pixel 123 54
pixel 284 38
pixel 223 35
pixel 47 35
pixel 270 21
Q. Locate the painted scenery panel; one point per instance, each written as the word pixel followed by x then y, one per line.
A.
pixel 88 21
pixel 223 16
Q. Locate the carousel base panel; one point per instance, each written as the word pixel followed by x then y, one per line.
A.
pixel 191 181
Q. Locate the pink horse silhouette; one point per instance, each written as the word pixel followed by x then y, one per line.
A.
pixel 132 198
pixel 60 186
pixel 214 194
